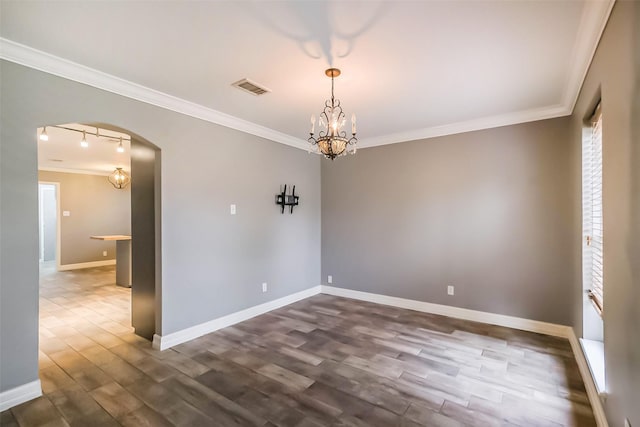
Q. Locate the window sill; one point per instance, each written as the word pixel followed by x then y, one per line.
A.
pixel 594 353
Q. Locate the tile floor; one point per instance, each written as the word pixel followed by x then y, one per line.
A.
pixel 324 361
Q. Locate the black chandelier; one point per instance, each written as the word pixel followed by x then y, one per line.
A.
pixel 332 140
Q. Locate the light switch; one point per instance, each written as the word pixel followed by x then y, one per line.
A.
pixel 66 213
pixel 232 209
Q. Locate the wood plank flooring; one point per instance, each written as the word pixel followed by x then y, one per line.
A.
pixel 324 361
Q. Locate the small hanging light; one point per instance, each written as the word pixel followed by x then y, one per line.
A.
pixel 119 179
pixel 120 148
pixel 84 143
pixel 43 135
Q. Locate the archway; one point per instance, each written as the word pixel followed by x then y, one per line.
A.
pixel 145 230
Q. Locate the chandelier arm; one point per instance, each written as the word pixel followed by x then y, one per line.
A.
pixel 325 131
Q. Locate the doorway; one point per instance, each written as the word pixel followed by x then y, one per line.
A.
pixel 92 205
pixel 48 221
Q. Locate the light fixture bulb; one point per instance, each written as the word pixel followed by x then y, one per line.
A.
pixel 120 148
pixel 43 135
pixel 84 143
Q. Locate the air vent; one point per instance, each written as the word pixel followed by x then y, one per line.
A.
pixel 251 87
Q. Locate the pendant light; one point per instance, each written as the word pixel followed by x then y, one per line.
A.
pixel 119 178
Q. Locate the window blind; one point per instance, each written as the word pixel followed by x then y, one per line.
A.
pixel 592 212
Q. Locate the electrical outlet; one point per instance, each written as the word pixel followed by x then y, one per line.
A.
pixel 329 279
pixel 264 287
pixel 104 253
pixel 232 209
pixel 450 290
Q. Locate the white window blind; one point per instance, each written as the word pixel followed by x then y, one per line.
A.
pixel 592 211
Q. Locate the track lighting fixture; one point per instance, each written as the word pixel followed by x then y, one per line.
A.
pixel 84 143
pixel 43 135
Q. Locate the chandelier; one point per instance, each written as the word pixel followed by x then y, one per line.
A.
pixel 119 178
pixel 332 140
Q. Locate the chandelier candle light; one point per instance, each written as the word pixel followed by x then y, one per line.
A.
pixel 332 140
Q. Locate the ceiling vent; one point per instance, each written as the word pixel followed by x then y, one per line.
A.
pixel 251 87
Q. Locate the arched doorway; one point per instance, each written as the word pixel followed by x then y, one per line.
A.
pixel 144 248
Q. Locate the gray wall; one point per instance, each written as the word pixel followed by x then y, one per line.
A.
pixel 212 263
pixel 615 77
pixel 97 208
pixel 489 212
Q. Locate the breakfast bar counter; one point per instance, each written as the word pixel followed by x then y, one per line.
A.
pixel 123 258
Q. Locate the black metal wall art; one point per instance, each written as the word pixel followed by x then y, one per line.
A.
pixel 283 199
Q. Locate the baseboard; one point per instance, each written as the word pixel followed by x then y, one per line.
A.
pixel 78 266
pixel 589 384
pixel 20 394
pixel 167 341
pixel 455 312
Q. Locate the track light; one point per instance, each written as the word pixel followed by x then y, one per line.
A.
pixel 43 135
pixel 84 143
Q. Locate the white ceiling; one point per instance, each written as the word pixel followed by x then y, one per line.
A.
pixel 410 69
pixel 62 152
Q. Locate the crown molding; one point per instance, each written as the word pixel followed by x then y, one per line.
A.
pixel 469 125
pixel 77 171
pixel 42 61
pixel 592 23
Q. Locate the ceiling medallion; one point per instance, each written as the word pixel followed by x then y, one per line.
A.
pixel 332 140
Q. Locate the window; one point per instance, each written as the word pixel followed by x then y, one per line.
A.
pixel 592 212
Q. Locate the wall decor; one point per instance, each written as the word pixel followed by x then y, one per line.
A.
pixel 283 199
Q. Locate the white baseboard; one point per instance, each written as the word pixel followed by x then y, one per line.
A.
pixel 20 394
pixel 167 341
pixel 456 312
pixel 589 384
pixel 163 342
pixel 78 266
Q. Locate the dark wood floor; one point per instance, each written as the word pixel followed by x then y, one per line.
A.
pixel 324 361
